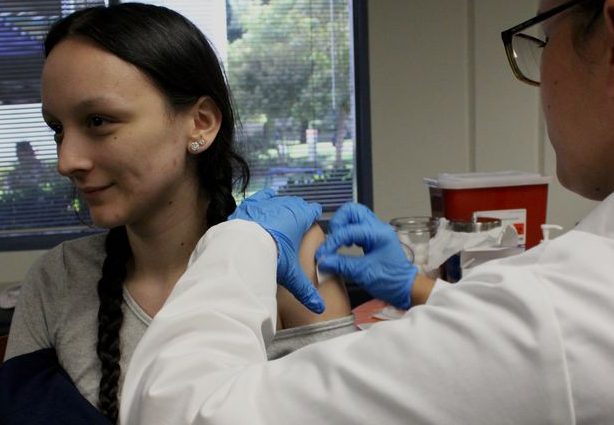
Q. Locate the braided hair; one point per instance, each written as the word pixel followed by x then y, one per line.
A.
pixel 180 61
pixel 110 318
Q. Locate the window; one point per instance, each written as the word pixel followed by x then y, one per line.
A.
pixel 290 65
pixel 35 200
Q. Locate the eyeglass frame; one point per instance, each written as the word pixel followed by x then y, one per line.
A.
pixel 508 35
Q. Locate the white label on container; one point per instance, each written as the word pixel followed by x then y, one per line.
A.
pixel 517 218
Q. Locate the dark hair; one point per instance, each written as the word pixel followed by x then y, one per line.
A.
pixel 588 14
pixel 180 61
pixel 591 9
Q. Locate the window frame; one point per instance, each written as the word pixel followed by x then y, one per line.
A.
pixel 362 160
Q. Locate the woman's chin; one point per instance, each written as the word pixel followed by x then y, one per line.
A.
pixel 589 188
pixel 105 220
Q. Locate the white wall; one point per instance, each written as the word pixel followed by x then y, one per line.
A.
pixel 442 100
pixel 14 265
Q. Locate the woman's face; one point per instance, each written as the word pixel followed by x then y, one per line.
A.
pixel 578 104
pixel 116 138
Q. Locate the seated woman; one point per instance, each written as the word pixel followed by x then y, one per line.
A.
pixel 144 129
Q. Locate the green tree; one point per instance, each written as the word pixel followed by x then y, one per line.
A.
pixel 290 57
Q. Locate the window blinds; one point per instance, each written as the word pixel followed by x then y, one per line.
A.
pixel 34 199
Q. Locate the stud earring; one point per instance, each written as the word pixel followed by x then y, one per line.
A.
pixel 196 145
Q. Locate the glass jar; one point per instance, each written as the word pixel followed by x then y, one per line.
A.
pixel 480 224
pixel 414 234
pixel 452 269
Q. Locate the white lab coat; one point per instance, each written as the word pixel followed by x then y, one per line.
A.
pixel 523 340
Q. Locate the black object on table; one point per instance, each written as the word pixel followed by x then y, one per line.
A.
pixel 5 320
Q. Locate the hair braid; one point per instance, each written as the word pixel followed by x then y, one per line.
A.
pixel 220 170
pixel 110 318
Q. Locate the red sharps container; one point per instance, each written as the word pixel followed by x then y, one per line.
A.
pixel 515 197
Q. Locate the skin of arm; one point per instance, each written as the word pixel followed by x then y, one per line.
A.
pixel 420 292
pixel 291 313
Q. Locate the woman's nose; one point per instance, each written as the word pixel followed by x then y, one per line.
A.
pixel 73 156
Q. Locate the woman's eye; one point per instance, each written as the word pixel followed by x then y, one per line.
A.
pixel 57 131
pixel 96 121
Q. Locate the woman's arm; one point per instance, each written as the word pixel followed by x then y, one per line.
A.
pixel 35 313
pixel 421 291
pixel 291 313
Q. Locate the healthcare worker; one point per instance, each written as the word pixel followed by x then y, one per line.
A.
pixel 521 340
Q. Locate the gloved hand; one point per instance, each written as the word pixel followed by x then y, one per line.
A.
pixel 286 218
pixel 384 270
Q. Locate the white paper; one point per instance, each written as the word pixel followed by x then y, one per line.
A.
pixel 446 243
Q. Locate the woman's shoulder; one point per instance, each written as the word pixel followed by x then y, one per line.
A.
pixel 311 241
pixel 75 258
pixel 332 289
pixel 80 250
pixel 59 283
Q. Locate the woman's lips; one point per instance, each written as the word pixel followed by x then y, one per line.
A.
pixel 93 191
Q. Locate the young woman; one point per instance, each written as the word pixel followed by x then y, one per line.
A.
pixel 144 127
pixel 521 340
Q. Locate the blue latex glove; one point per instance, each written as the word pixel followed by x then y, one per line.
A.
pixel 384 270
pixel 286 218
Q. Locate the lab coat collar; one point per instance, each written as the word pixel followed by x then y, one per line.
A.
pixel 600 221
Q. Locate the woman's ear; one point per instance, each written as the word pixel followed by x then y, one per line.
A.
pixel 206 120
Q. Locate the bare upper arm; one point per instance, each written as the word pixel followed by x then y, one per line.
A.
pixel 292 313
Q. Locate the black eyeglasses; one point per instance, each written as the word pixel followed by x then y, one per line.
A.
pixel 524 51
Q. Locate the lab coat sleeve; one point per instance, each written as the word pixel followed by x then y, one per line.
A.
pixel 487 351
pixel 230 288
